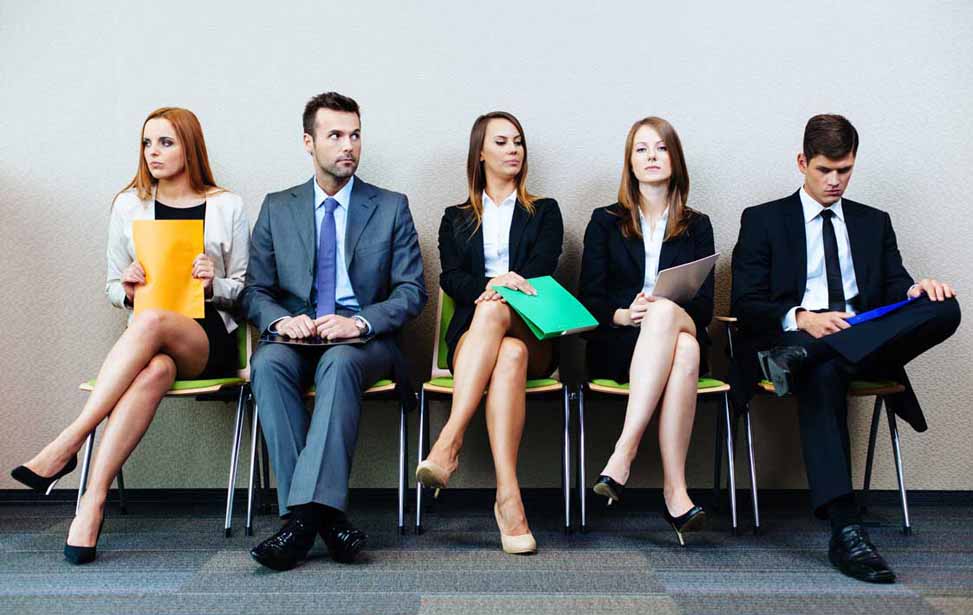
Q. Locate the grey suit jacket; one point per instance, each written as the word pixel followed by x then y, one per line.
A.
pixel 381 253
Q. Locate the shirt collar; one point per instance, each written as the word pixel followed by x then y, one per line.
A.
pixel 509 201
pixel 663 219
pixel 343 196
pixel 813 209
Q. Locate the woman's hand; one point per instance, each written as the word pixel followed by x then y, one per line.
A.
pixel 507 280
pixel 204 269
pixel 133 276
pixel 633 315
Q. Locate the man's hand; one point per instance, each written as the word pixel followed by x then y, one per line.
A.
pixel 204 269
pixel 820 325
pixel 934 289
pixel 296 327
pixel 133 276
pixel 333 327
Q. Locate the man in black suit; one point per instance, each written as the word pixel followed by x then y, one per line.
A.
pixel 802 266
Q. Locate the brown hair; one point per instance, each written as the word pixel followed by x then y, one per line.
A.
pixel 190 135
pixel 629 196
pixel 328 100
pixel 829 135
pixel 476 175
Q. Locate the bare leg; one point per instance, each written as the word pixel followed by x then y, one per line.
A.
pixel 125 427
pixel 152 332
pixel 648 375
pixel 505 413
pixel 676 414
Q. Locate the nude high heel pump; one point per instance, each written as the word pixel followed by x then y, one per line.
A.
pixel 523 544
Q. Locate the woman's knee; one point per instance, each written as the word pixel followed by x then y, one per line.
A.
pixel 512 354
pixel 150 322
pixel 159 373
pixel 492 313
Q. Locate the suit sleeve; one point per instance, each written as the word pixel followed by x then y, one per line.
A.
pixel 227 289
pixel 118 259
pixel 550 241
pixel 751 277
pixel 593 285
pixel 897 279
pixel 407 286
pixel 461 285
pixel 260 291
pixel 700 307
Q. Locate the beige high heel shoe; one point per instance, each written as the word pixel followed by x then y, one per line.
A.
pixel 523 544
pixel 432 476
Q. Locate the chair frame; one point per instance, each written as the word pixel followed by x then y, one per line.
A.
pixel 880 391
pixel 428 388
pixel 722 390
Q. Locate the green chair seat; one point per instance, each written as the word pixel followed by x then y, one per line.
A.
pixel 384 382
pixel 536 383
pixel 184 385
pixel 702 384
pixel 855 387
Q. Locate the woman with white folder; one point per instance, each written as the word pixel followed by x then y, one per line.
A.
pixel 650 342
pixel 173 182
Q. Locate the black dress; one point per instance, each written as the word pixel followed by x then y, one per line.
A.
pixel 222 360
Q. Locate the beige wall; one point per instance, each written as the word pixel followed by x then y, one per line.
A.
pixel 737 82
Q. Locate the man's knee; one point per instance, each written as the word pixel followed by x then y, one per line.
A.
pixel 345 361
pixel 947 314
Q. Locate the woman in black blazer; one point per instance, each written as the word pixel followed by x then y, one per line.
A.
pixel 650 342
pixel 500 236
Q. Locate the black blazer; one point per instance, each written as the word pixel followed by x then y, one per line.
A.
pixel 535 246
pixel 770 276
pixel 613 272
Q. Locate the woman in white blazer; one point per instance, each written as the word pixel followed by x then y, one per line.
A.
pixel 173 181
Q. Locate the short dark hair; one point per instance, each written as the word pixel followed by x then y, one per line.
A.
pixel 830 135
pixel 328 100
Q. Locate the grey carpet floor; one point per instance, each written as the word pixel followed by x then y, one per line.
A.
pixel 173 558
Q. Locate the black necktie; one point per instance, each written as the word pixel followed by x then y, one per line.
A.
pixel 832 265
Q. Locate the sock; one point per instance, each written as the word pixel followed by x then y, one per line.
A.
pixel 310 514
pixel 843 511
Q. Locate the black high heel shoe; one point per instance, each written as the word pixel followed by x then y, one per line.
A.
pixel 692 521
pixel 83 555
pixel 607 486
pixel 42 484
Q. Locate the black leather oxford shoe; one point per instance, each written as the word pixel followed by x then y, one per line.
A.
pixel 287 548
pixel 853 553
pixel 779 366
pixel 344 542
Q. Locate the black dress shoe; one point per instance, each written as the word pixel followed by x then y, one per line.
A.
pixel 607 486
pixel 854 555
pixel 779 366
pixel 287 548
pixel 344 542
pixel 42 484
pixel 692 521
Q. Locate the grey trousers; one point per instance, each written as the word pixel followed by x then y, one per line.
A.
pixel 311 454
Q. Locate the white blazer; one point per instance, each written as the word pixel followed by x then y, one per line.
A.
pixel 226 240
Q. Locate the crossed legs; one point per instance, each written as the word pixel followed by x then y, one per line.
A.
pixel 498 351
pixel 139 369
pixel 664 372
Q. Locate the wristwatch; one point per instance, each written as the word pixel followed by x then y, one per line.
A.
pixel 362 325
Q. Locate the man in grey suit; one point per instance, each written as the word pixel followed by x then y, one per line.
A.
pixel 339 259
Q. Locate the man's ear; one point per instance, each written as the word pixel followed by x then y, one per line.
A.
pixel 802 163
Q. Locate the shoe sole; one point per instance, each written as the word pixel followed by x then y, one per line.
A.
pixel 274 567
pixel 881 577
pixel 773 373
pixel 606 491
pixel 428 479
pixel 696 524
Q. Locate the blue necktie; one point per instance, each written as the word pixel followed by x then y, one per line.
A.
pixel 327 257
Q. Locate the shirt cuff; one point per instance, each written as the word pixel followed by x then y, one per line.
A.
pixel 910 290
pixel 790 319
pixel 272 327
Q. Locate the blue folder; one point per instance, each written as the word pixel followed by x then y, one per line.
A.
pixel 857 319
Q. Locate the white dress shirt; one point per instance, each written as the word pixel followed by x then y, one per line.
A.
pixel 816 290
pixel 496 223
pixel 652 241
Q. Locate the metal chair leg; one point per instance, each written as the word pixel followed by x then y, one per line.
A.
pixel 896 448
pixel 566 459
pixel 717 460
pixel 870 458
pixel 423 437
pixel 254 435
pixel 753 474
pixel 403 452
pixel 120 481
pixel 234 460
pixel 730 463
pixel 582 483
pixel 89 446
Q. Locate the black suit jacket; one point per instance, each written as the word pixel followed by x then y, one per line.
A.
pixel 613 272
pixel 770 277
pixel 535 246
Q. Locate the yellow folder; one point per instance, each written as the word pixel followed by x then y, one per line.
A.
pixel 166 249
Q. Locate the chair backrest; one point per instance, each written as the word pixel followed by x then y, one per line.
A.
pixel 244 342
pixel 444 315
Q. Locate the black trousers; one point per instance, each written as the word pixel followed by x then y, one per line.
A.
pixel 870 350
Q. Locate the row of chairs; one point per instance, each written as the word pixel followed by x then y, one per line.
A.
pixel 440 386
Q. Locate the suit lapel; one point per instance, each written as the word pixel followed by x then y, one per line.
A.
pixel 857 242
pixel 520 220
pixel 474 243
pixel 668 253
pixel 360 210
pixel 634 246
pixel 302 211
pixel 794 223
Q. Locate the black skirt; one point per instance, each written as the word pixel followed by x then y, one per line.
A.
pixel 223 360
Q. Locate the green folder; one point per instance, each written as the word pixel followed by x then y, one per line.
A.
pixel 552 312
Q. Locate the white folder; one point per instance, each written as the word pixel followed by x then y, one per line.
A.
pixel 682 282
